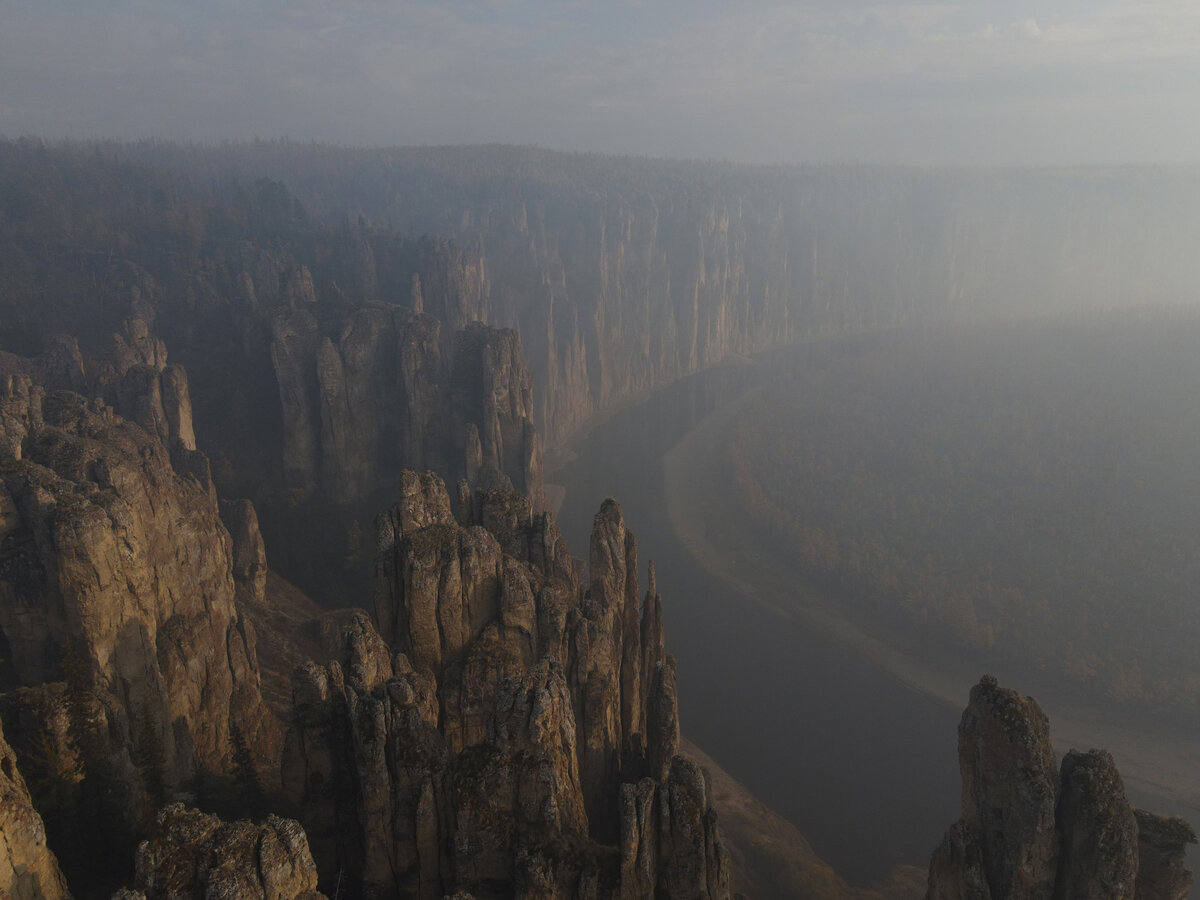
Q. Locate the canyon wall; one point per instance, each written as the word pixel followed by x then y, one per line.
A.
pixel 321 358
pixel 623 274
pixel 119 577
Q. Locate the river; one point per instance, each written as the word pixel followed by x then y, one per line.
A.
pixel 863 764
pixel 850 739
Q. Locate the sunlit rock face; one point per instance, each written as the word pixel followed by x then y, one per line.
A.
pixel 508 731
pixel 1030 829
pixel 119 576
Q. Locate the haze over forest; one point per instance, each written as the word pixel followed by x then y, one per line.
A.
pixel 329 332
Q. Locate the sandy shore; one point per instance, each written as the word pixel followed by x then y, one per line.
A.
pixel 1161 770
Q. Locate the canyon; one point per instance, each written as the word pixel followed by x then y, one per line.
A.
pixel 274 531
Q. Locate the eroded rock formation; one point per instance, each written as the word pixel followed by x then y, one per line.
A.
pixel 193 856
pixel 135 379
pixel 28 869
pixel 118 574
pixel 376 390
pixel 1030 830
pixel 319 361
pixel 511 733
pixel 1162 843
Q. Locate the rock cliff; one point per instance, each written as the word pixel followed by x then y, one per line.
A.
pixel 619 274
pixel 119 577
pixel 28 869
pixel 508 731
pixel 320 359
pixel 136 380
pixel 622 274
pixel 321 398
pixel 381 393
pixel 507 724
pixel 304 388
pixel 1030 829
pixel 348 355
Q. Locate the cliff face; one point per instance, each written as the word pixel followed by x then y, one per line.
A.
pixel 620 293
pixel 510 733
pixel 307 399
pixel 401 373
pixel 1029 829
pixel 623 274
pixel 379 374
pixel 381 394
pixel 351 361
pixel 119 576
pixel 320 359
pixel 28 869
pixel 619 274
pixel 134 378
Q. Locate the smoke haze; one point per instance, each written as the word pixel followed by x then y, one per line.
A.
pixel 926 83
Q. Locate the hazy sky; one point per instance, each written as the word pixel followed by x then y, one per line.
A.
pixel 986 81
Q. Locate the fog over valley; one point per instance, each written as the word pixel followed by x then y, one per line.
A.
pixel 509 449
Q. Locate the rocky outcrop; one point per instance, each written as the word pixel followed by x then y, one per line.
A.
pixel 118 564
pixel 491 406
pixel 356 401
pixel 1099 843
pixel 193 856
pixel 1002 732
pixel 60 367
pixel 370 382
pixel 28 869
pixel 375 390
pixel 134 378
pixel 319 361
pixel 520 736
pixel 131 375
pixel 667 837
pixel 366 767
pixel 249 553
pixel 1162 843
pixel 1031 830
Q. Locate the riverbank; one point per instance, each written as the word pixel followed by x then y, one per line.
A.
pixel 1161 769
pixel 857 761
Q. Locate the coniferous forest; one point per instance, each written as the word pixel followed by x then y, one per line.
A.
pixel 1028 491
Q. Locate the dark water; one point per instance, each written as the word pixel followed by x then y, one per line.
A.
pixel 863 765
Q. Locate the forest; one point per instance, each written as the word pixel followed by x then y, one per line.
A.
pixel 1027 491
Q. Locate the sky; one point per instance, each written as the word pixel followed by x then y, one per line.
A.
pixel 986 82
